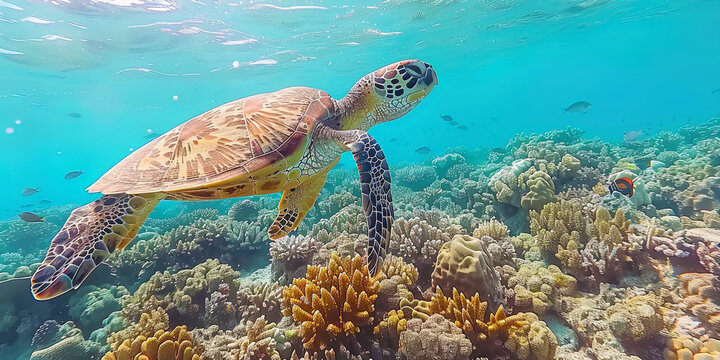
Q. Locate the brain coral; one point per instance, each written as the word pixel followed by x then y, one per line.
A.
pixel 533 340
pixel 540 190
pixel 331 301
pixel 434 339
pixel 464 263
pixel 174 345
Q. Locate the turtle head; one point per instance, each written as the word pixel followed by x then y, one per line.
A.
pixel 392 91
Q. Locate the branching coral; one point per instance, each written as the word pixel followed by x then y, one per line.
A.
pixel 467 313
pixel 259 342
pixel 557 225
pixel 464 263
pixel 174 345
pixel 331 301
pixel 291 254
pixel 149 322
pixel 395 266
pixel 388 331
pixel 417 241
pixel 492 228
pixel 258 298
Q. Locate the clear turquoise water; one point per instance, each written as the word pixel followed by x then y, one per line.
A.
pixel 505 67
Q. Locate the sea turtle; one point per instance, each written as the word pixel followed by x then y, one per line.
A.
pixel 285 141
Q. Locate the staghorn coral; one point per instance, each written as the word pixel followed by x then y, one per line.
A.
pixel 701 298
pixel 331 301
pixel 538 288
pixel 464 263
pixel 436 338
pixel 637 319
pixel 162 345
pixel 467 314
pixel 395 266
pixel 259 342
pixel 258 298
pixel 558 224
pixel 492 228
pixel 532 340
pixel 684 347
pixel 417 241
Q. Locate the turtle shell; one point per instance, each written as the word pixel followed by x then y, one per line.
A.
pixel 243 139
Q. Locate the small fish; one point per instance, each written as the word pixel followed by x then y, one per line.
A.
pixel 151 135
pixel 30 191
pixel 453 123
pixel 393 140
pixel 715 91
pixel 45 202
pixel 74 115
pixel 579 107
pixel 27 216
pixel 622 185
pixel 499 150
pixel 446 117
pixel 655 164
pixel 418 15
pixel 462 127
pixel 633 134
pixel 26 206
pixel 73 174
pixel 423 150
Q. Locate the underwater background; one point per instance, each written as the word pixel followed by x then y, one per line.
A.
pixel 507 242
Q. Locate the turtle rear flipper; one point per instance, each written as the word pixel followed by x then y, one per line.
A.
pixel 91 234
pixel 376 197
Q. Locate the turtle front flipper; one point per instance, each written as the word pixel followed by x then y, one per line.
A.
pixel 296 202
pixel 90 234
pixel 376 197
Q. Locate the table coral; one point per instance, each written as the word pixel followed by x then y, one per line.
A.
pixel 538 288
pixel 433 339
pixel 162 345
pixel 331 301
pixel 464 264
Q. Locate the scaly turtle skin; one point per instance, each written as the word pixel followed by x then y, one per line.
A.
pixel 285 141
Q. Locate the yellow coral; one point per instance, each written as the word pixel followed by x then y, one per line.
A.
pixel 610 230
pixel 532 340
pixel 684 347
pixel 493 228
pixel 331 301
pixel 150 322
pixel 557 224
pixel 174 345
pixel 396 266
pixel 389 329
pixel 467 314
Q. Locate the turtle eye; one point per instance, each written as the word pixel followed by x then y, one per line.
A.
pixel 414 70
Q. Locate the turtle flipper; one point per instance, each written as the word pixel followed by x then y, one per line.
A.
pixel 296 202
pixel 376 197
pixel 90 234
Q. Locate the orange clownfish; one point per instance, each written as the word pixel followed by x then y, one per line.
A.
pixel 623 185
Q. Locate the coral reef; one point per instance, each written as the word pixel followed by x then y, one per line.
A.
pixel 435 338
pixel 538 288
